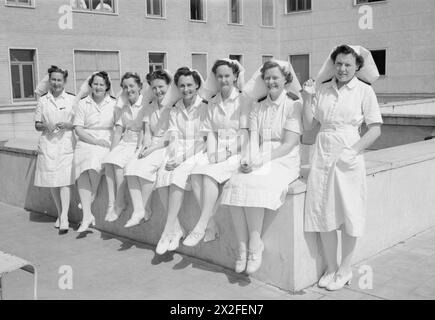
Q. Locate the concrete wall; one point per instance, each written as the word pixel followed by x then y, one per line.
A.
pixel 400 204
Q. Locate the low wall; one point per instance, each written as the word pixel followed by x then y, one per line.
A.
pixel 400 204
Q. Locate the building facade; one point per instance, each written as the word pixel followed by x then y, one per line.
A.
pixel 142 35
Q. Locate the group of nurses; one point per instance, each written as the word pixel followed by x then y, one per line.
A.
pixel 238 148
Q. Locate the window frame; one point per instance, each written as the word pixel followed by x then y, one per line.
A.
pixel 268 55
pixel 273 15
pixel 242 57
pixel 24 101
pixel 165 61
pixel 93 50
pixel 241 13
pixel 91 11
pixel 356 4
pixel 151 16
pixel 206 61
pixel 32 4
pixel 205 13
pixel 381 76
pixel 286 12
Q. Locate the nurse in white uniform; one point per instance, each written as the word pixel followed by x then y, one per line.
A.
pixel 126 142
pixel 186 144
pixel 270 165
pixel 54 165
pixel 336 187
pixel 141 172
pixel 226 118
pixel 94 122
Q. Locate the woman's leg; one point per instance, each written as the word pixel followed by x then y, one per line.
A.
pixel 140 191
pixel 94 178
pixel 110 179
pixel 176 197
pixel 197 187
pixel 242 235
pixel 329 248
pixel 85 192
pixel 65 198
pixel 121 185
pixel 136 194
pixel 348 245
pixel 56 198
pixel 164 196
pixel 254 219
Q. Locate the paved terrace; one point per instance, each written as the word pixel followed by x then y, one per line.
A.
pixel 109 267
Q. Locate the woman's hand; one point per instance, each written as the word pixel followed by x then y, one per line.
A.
pixel 102 143
pixel 49 128
pixel 145 152
pixel 308 89
pixel 64 126
pixel 347 158
pixel 172 164
pixel 245 166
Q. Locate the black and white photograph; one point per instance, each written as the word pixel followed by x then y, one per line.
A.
pixel 223 152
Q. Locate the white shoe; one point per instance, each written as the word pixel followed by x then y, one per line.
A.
pixel 84 225
pixel 57 223
pixel 112 213
pixel 174 240
pixel 339 281
pixel 193 238
pixel 325 279
pixel 211 232
pixel 64 226
pixel 163 244
pixel 241 262
pixel 136 219
pixel 254 259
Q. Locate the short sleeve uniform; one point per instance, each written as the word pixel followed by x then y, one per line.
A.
pixel 158 120
pixel 267 186
pixel 130 120
pixel 225 119
pixel 54 165
pixel 184 127
pixel 336 186
pixel 98 121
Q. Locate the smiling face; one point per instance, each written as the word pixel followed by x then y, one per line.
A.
pixel 159 87
pixel 99 87
pixel 345 67
pixel 187 86
pixel 225 77
pixel 131 89
pixel 274 80
pixel 57 82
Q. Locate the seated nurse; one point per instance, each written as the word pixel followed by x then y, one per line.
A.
pixel 269 164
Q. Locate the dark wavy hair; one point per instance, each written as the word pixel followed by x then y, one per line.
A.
pixel 132 75
pixel 158 74
pixel 232 65
pixel 58 70
pixel 345 49
pixel 101 74
pixel 272 64
pixel 185 71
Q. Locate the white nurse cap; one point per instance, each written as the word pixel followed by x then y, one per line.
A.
pixel 211 86
pixel 368 73
pixel 256 88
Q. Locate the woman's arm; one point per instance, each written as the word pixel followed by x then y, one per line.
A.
pixel 116 136
pixel 44 126
pixel 368 138
pixel 86 137
pixel 308 91
pixel 212 146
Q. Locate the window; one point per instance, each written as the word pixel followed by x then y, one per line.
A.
pixel 156 61
pixel 267 13
pixel 197 10
pixel 199 62
pixel 301 65
pixel 87 62
pixel 235 11
pixel 155 8
pixel 380 57
pixel 367 1
pixel 298 5
pixel 22 74
pixel 237 57
pixel 95 6
pixel 24 3
pixel 266 57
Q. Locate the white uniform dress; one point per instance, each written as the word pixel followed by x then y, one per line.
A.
pixel 54 166
pixel 225 120
pixel 131 121
pixel 186 123
pixel 98 121
pixel 267 186
pixel 146 168
pixel 336 187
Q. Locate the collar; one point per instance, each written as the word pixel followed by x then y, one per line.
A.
pixel 278 101
pixel 106 100
pixel 62 95
pixel 350 85
pixel 233 95
pixel 195 105
pixel 137 104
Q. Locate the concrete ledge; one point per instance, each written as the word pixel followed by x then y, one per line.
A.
pixel 400 204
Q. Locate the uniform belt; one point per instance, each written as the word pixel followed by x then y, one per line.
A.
pixel 338 128
pixel 100 128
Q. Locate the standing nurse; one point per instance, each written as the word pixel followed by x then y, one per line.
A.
pixel 336 187
pixel 54 165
